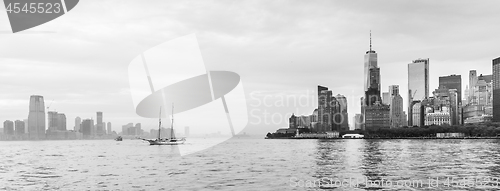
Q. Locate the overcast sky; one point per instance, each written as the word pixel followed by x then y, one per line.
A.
pixel 281 50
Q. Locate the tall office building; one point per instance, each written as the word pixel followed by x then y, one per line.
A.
pixel 472 82
pixel 370 62
pixel 329 117
pixel 344 126
pixel 396 113
pixel 53 120
pixel 19 127
pixel 452 82
pixel 61 122
pixel 86 128
pixel 109 127
pixel 372 95
pixel 8 127
pixel 78 123
pixel 26 126
pixel 99 125
pixel 36 118
pixel 418 88
pixel 496 89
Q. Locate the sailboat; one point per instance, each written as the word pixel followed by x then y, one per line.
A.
pixel 166 141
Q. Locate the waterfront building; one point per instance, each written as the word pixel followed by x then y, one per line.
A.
pixel 344 116
pixel 99 125
pixel 61 122
pixel 78 122
pixel 452 82
pixel 437 118
pixel 377 116
pixel 472 82
pixel 86 128
pixel 36 117
pixel 20 128
pixel 358 121
pixel 8 128
pixel 52 120
pixel 329 117
pixel 396 113
pixel 126 129
pixel 418 88
pixel 109 128
pixel 479 119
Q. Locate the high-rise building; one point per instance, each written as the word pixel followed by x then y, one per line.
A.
pixel 19 127
pixel 36 118
pixel 472 81
pixel 372 95
pixel 99 125
pixel 61 122
pixel 8 127
pixel 329 117
pixel 52 118
pixel 138 129
pixel 496 89
pixel 26 126
pixel 370 62
pixel 109 128
pixel 418 88
pixel 396 113
pixel 86 128
pixel 344 126
pixel 452 82
pixel 78 122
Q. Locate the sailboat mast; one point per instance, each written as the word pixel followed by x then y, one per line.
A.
pixel 172 125
pixel 159 125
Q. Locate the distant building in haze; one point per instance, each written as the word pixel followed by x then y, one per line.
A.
pixel 8 127
pixel 78 122
pixel 109 128
pixel 61 120
pixel 20 128
pixel 36 118
pixel 86 128
pixel 99 125
pixel 418 88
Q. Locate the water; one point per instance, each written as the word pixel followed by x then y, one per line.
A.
pixel 250 164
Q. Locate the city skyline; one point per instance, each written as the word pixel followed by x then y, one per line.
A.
pixel 272 58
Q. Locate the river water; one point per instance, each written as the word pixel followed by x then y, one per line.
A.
pixel 252 164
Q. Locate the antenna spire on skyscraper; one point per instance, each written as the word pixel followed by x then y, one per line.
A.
pixel 370 40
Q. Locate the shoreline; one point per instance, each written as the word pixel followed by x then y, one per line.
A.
pixel 388 138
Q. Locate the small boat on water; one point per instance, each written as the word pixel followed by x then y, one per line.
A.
pixel 166 141
pixel 119 138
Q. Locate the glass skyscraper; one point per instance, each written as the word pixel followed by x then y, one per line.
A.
pixel 418 87
pixel 36 117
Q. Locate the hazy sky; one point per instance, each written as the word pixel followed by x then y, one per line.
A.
pixel 281 49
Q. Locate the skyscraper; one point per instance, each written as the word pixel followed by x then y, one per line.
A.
pixel 36 117
pixel 99 125
pixel 86 127
pixel 8 127
pixel 61 122
pixel 19 127
pixel 370 62
pixel 78 122
pixel 396 114
pixel 496 89
pixel 452 82
pixel 53 120
pixel 418 88
pixel 344 126
pixel 329 117
pixel 109 127
pixel 472 82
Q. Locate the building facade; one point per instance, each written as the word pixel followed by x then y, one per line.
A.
pixel 496 89
pixel 36 117
pixel 418 87
pixel 396 113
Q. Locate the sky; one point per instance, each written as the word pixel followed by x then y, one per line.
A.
pixel 281 49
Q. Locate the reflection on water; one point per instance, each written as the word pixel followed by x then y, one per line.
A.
pixel 252 164
pixel 407 164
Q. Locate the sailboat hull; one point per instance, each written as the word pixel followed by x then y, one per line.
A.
pixel 167 142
